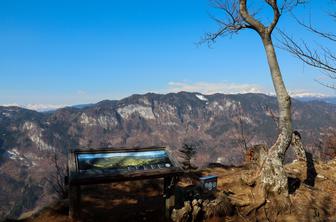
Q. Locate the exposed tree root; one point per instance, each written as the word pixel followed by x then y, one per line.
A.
pixel 256 205
pixel 240 215
pixel 260 205
pixel 262 202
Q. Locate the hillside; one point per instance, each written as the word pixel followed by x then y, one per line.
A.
pixel 28 139
pixel 142 201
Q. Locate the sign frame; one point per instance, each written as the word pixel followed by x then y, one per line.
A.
pixel 76 178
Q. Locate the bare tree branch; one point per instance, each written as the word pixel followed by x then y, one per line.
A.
pixel 237 17
pixel 320 57
pixel 323 59
pixel 57 178
pixel 249 19
pixel 311 28
pixel 243 136
pixel 305 53
pixel 288 5
pixel 276 14
pixel 232 22
pixel 268 110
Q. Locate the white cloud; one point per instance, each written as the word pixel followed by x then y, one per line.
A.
pixel 208 88
pixel 38 107
pixel 43 107
pixel 305 93
pixel 10 104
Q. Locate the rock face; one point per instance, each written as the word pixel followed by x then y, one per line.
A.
pixel 203 210
pixel 213 122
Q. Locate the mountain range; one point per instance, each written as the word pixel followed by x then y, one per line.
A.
pixel 217 125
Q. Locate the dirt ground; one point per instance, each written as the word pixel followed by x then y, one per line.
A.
pixel 311 200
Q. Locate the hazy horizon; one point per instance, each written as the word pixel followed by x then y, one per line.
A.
pixel 51 107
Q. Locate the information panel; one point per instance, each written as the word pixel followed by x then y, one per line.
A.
pixel 108 165
pixel 122 162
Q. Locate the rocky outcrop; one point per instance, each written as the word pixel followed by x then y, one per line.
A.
pixel 201 210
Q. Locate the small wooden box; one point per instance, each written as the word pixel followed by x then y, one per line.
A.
pixel 208 183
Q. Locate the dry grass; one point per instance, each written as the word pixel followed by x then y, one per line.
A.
pixel 142 201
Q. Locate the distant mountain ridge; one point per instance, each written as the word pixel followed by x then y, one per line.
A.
pixel 305 97
pixel 211 122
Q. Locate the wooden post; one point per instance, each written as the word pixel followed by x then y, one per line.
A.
pixel 169 195
pixel 74 202
pixel 74 190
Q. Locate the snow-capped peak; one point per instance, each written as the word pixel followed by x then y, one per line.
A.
pixel 201 97
pixel 308 94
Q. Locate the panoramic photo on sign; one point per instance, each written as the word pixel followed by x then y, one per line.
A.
pixel 122 161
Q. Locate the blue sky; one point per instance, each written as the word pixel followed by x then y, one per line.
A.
pixel 71 52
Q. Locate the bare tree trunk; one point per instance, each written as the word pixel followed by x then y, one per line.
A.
pixel 273 176
pixel 297 146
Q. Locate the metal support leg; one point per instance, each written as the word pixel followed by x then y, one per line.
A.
pixel 74 202
pixel 169 195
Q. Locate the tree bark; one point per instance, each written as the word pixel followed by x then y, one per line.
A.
pixel 273 176
pixel 297 146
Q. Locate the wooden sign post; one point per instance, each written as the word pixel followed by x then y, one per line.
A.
pixel 120 164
